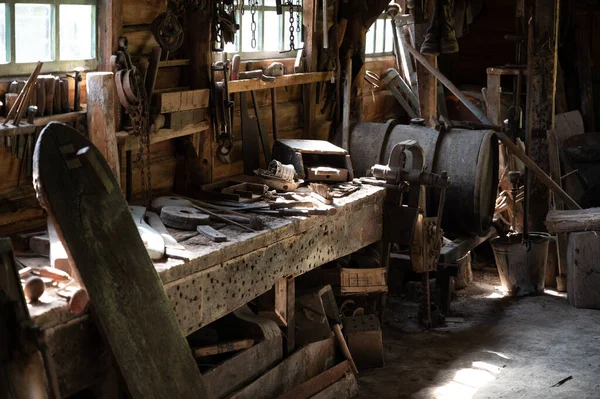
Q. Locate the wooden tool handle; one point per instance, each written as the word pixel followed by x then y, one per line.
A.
pixel 337 331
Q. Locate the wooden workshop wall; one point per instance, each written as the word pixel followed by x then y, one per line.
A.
pixel 376 104
pixel 19 209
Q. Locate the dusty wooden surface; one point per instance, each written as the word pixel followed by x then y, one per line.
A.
pixel 93 221
pixel 220 278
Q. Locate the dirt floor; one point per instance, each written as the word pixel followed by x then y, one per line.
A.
pixel 504 348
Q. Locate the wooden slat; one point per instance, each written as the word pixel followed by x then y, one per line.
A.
pixel 130 142
pixel 318 383
pixel 183 100
pixel 237 86
pixel 223 347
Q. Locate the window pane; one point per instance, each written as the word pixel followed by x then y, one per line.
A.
pixel 379 36
pixel 369 41
pixel 270 3
pixel 33 31
pixel 3 59
pixel 389 37
pixel 76 32
pixel 272 31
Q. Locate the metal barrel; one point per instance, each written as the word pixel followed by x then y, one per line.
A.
pixel 470 157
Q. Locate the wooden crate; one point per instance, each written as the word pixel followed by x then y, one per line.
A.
pixel 363 281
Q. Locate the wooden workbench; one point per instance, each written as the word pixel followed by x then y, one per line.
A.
pixel 218 279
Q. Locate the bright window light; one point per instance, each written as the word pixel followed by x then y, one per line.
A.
pixel 77 32
pixel 3 58
pixel 33 32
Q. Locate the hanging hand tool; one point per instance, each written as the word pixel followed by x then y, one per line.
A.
pixel 77 96
pixel 222 112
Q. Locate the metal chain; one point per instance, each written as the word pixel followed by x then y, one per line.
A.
pixel 253 8
pixel 291 29
pixel 140 123
pixel 298 8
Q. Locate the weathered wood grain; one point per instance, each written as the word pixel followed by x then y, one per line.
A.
pixel 213 282
pixel 558 221
pixel 584 270
pixel 93 221
pixel 304 364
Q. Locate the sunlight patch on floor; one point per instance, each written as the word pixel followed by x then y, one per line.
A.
pixel 555 293
pixel 466 382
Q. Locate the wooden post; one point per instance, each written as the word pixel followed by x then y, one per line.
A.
pixel 309 90
pixel 583 60
pixel 101 117
pixel 198 48
pixel 110 28
pixel 426 81
pixel 291 316
pixel 542 62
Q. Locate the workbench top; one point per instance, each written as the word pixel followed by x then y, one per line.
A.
pixel 219 277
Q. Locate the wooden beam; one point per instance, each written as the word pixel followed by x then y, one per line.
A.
pixel 309 18
pixel 130 142
pixel 101 117
pixel 559 221
pixel 290 315
pixel 237 86
pixel 426 81
pixel 541 82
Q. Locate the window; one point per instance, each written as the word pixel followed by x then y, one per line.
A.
pixel 272 33
pixel 380 38
pixel 61 33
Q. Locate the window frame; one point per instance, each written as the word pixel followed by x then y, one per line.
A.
pixel 375 53
pixel 12 68
pixel 261 54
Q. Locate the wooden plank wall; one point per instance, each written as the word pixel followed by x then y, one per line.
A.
pixel 376 104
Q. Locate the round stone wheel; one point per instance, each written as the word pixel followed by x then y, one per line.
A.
pixel 185 218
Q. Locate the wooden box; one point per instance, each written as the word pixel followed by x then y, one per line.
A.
pixel 362 281
pixel 583 278
pixel 365 342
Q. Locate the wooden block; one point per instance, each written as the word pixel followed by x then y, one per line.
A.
pixel 362 281
pixel 583 286
pixel 58 255
pixel 211 233
pixel 40 245
pixel 364 339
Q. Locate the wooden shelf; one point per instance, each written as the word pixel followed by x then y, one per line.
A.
pixel 29 128
pixel 238 86
pixel 128 141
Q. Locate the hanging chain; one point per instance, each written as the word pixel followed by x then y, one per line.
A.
pixel 298 8
pixel 140 124
pixel 291 29
pixel 253 7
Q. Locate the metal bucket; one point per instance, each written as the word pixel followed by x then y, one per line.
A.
pixel 522 267
pixel 470 157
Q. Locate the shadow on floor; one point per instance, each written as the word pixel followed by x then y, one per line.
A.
pixel 505 348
